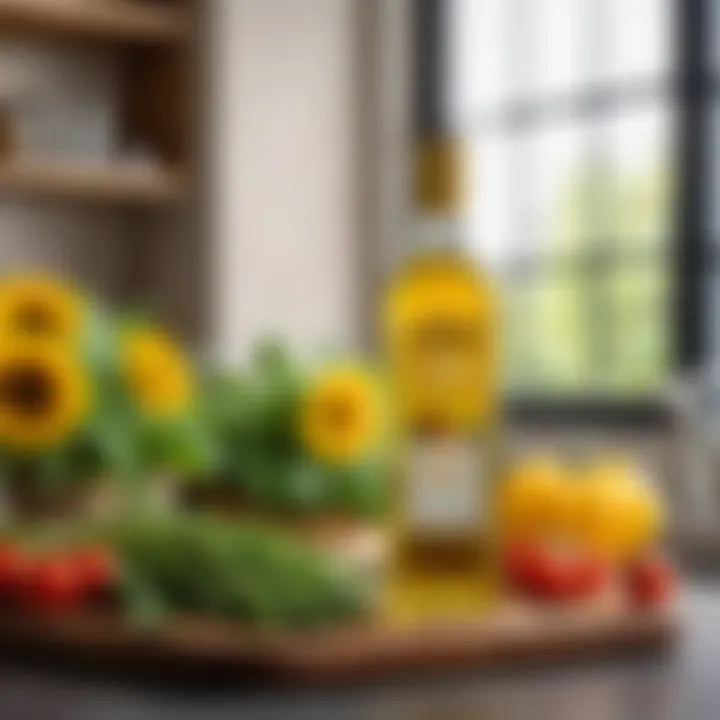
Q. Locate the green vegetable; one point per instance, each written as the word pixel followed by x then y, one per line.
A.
pixel 200 564
pixel 361 490
pixel 250 573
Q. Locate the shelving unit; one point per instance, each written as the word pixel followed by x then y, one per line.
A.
pixel 152 38
pixel 95 20
pixel 116 184
pixel 146 180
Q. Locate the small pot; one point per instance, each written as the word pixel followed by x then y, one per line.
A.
pixel 359 545
pixel 357 542
pixel 215 497
pixel 26 500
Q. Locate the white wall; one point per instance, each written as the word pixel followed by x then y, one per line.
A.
pixel 283 173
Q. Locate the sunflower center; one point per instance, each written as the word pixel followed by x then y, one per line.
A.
pixel 33 318
pixel 339 413
pixel 28 390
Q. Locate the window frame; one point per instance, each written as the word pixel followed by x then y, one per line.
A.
pixel 691 89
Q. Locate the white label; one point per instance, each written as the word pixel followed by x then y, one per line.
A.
pixel 444 481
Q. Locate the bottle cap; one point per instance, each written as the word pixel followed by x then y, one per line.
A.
pixel 440 176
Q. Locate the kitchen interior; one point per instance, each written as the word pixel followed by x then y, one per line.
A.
pixel 243 168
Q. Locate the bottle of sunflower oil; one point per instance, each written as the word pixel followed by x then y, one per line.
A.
pixel 440 330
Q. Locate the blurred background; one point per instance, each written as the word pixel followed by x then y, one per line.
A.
pixel 243 167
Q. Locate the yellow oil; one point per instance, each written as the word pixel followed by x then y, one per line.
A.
pixel 439 580
pixel 441 332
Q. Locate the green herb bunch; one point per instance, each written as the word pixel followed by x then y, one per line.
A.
pixel 199 564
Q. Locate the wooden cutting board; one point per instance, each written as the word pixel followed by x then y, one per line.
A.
pixel 514 635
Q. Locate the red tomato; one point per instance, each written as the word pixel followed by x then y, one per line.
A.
pixel 97 568
pixel 55 585
pixel 651 581
pixel 556 575
pixel 521 563
pixel 15 569
pixel 553 572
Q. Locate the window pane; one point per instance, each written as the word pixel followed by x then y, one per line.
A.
pixel 574 329
pixel 562 329
pixel 519 337
pixel 477 53
pixel 547 341
pixel 638 293
pixel 504 50
pixel 562 208
pixel 559 58
pixel 642 163
pixel 640 39
pixel 491 223
pixel 574 211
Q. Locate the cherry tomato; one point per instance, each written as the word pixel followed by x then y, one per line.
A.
pixel 651 581
pixel 554 572
pixel 521 563
pixel 55 585
pixel 557 575
pixel 97 568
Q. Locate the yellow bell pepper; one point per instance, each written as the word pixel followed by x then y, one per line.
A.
pixel 617 513
pixel 535 502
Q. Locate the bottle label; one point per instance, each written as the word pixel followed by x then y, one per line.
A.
pixel 444 482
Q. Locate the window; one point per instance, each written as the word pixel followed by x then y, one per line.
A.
pixel 570 111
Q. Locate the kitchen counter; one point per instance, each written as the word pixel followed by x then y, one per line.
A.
pixel 684 685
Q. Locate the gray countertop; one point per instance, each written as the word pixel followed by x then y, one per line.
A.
pixel 685 685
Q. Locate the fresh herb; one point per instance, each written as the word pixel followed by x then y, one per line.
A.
pixel 250 573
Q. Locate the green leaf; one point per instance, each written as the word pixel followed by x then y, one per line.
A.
pixel 301 487
pixel 118 448
pixel 52 468
pixel 271 357
pixel 362 489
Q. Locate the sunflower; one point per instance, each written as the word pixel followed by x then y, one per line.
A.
pixel 157 372
pixel 44 395
pixel 340 417
pixel 39 306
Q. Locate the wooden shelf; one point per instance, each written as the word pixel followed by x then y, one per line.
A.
pixel 94 183
pixel 130 21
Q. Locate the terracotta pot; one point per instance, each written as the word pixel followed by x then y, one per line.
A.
pixel 216 497
pixel 94 499
pixel 27 500
pixel 360 543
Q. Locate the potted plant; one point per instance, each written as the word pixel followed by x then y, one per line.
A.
pixel 90 408
pixel 154 424
pixel 49 396
pixel 302 447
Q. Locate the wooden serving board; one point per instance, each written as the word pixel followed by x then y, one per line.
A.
pixel 188 647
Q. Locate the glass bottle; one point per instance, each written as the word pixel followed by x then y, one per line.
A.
pixel 441 341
